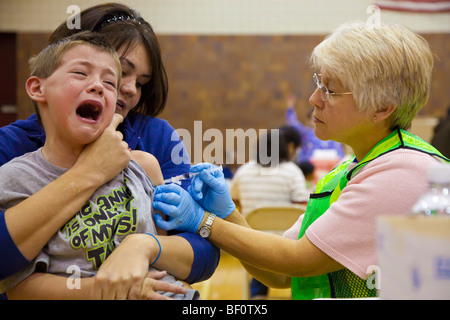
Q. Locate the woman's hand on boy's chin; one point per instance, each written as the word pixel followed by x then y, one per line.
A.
pixel 104 158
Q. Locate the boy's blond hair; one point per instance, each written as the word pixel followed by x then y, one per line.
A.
pixel 45 63
pixel 385 65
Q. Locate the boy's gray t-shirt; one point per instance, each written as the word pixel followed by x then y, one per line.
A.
pixel 118 208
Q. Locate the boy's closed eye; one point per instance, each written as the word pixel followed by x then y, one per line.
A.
pixel 113 84
pixel 79 72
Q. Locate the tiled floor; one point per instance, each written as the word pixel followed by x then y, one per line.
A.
pixel 227 282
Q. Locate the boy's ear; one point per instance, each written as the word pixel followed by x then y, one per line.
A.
pixel 34 89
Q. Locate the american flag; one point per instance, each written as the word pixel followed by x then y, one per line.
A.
pixel 414 5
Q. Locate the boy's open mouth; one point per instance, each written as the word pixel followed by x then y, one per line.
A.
pixel 90 110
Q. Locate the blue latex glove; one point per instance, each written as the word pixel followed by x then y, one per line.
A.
pixel 184 213
pixel 210 190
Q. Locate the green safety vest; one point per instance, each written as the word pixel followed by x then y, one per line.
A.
pixel 344 283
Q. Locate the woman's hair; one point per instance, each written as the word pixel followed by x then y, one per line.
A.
pixel 125 28
pixel 382 65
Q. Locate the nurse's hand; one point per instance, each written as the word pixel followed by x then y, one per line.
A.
pixel 210 190
pixel 184 213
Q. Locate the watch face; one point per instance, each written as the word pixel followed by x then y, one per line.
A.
pixel 204 232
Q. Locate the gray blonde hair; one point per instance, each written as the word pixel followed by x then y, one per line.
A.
pixel 386 65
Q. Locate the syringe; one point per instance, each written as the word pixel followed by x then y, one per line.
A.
pixel 187 175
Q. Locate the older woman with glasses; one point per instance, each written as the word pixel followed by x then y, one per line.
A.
pixel 371 82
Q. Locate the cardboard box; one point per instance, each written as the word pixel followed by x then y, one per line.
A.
pixel 414 257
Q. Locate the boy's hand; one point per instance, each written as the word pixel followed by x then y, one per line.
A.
pixel 122 274
pixel 105 157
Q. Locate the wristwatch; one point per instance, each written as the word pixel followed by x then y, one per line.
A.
pixel 205 230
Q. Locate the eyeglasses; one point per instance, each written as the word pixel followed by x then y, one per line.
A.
pixel 324 92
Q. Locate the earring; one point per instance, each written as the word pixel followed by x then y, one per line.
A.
pixel 375 118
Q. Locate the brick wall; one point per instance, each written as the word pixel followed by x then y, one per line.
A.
pixel 237 81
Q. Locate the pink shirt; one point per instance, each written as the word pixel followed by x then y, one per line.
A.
pixel 389 185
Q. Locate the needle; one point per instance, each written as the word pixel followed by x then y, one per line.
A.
pixel 188 175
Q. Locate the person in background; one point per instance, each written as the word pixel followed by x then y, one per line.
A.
pixel 27 227
pixel 308 171
pixel 310 141
pixel 258 184
pixel 441 136
pixel 230 166
pixel 370 84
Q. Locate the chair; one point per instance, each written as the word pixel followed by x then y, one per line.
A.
pixel 274 220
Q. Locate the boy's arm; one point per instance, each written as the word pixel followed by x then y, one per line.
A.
pixel 196 257
pixel 45 286
pixel 174 248
pixel 177 248
pixel 32 222
pixel 124 271
pixel 150 165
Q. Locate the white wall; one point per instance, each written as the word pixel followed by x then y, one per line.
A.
pixel 221 16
